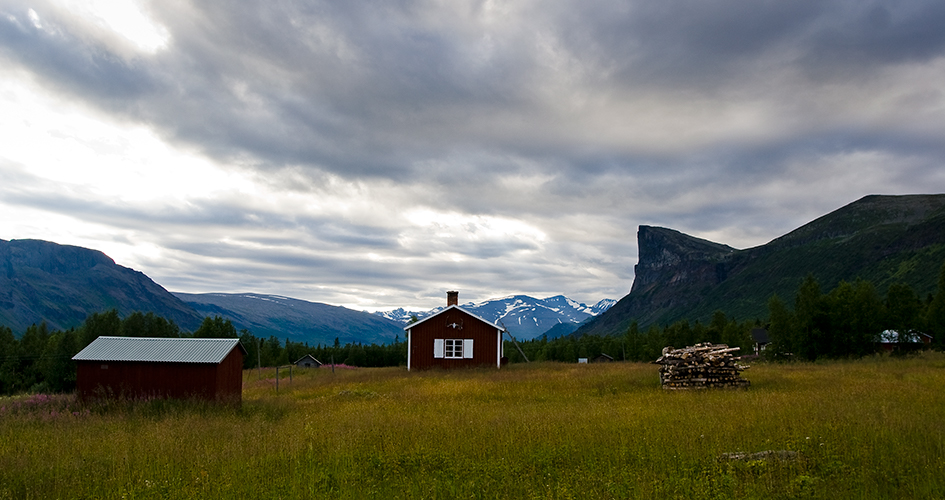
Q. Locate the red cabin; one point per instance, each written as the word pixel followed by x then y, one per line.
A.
pixel 453 338
pixel 135 367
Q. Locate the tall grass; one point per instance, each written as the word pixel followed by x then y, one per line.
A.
pixel 862 429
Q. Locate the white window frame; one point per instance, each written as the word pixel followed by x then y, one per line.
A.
pixel 453 348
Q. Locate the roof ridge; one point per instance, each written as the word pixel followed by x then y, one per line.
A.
pixel 159 349
pixel 455 306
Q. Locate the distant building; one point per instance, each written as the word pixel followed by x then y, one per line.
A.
pixel 760 337
pixel 308 361
pixel 603 358
pixel 891 340
pixel 134 367
pixel 453 338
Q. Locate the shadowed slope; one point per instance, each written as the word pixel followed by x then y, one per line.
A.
pixel 882 239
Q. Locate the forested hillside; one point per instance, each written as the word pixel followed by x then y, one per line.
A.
pixel 62 285
pixel 884 240
pixel 844 322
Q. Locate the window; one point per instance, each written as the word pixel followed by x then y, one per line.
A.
pixel 453 348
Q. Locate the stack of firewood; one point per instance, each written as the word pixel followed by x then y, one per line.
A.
pixel 700 366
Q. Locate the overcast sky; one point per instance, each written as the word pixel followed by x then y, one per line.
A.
pixel 374 154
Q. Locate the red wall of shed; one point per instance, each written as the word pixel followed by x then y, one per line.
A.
pixel 154 379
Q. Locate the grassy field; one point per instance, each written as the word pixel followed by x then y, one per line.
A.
pixel 862 429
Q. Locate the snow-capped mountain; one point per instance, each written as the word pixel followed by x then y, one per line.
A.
pixel 601 306
pixel 523 316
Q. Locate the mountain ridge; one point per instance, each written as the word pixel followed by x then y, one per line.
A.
pixel 525 317
pixel 879 238
pixel 296 319
pixel 64 284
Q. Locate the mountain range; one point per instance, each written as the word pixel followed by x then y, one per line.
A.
pixel 523 316
pixel 64 284
pixel 297 320
pixel 881 239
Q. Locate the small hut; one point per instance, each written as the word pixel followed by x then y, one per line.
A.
pixel 308 361
pixel 453 338
pixel 761 339
pixel 912 340
pixel 137 367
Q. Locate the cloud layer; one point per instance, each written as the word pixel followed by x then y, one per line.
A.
pixel 374 154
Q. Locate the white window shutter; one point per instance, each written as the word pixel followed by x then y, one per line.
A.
pixel 467 348
pixel 437 348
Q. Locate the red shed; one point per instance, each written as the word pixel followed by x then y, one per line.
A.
pixel 161 367
pixel 453 338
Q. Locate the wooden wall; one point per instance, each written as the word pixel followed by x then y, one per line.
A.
pixel 223 381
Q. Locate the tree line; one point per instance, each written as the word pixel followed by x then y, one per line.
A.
pixel 41 359
pixel 636 344
pixel 847 321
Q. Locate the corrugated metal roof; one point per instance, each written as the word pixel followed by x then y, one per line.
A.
pixel 164 350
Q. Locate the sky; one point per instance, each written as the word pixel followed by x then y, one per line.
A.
pixel 374 154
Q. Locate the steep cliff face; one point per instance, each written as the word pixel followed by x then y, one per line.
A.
pixel 673 268
pixel 670 258
pixel 882 239
pixel 63 284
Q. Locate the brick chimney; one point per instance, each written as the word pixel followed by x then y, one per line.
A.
pixel 452 299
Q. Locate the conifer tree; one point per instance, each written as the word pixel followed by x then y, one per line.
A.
pixel 9 351
pixel 216 328
pixel 935 315
pixel 782 329
pixel 903 311
pixel 105 324
pixel 811 327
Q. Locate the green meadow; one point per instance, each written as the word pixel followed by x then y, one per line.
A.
pixel 871 428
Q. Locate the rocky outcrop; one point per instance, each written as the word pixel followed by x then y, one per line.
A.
pixel 673 267
pixel 670 258
pixel 881 239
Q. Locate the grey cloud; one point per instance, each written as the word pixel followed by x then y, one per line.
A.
pixel 377 89
pixel 871 34
pixel 340 89
pixel 681 43
pixel 580 119
pixel 70 62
